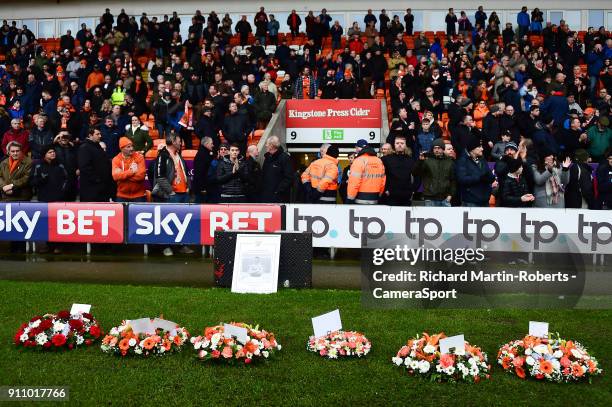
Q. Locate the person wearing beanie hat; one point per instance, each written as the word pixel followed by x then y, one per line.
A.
pixel 49 177
pixel 514 191
pixel 128 168
pixel 475 181
pixel 320 179
pixel 361 144
pixel 437 173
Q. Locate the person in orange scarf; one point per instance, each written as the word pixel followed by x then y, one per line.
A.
pixel 129 173
pixel 95 78
pixel 15 174
pixel 480 111
pixel 186 123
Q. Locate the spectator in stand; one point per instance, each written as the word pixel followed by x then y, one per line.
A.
pixel 320 179
pixel 294 21
pixel 305 85
pixel 579 192
pixel 409 21
pixel 571 139
pixel 465 26
pixel 96 182
pixel 475 180
pixel 436 170
pixel 277 171
pixel 14 174
pixel 386 149
pixel 273 27
pixel 450 20
pixel 233 177
pixel 254 174
pixel 599 138
pixel 201 165
pixel 523 21
pixel 66 154
pixel 18 134
pixel 515 190
pixel 129 173
pixel 236 126
pixel 399 182
pixel 243 28
pixel 138 133
pixel 604 181
pixel 537 17
pixel 551 179
pixel 336 32
pixel 265 105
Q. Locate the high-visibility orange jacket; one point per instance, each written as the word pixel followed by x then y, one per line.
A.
pixel 366 179
pixel 322 175
pixel 130 184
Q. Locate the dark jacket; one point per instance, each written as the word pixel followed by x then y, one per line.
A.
pixel 399 182
pixel 474 179
pixel 201 164
pixel 438 177
pixel 255 181
pixel 462 135
pixel 232 184
pixel 38 139
pixel 67 156
pixel 277 172
pixel 50 181
pixel 265 105
pixel 235 129
pixel 580 186
pixel 513 189
pixel 96 181
pixel 491 130
pixel 164 173
pixel 604 184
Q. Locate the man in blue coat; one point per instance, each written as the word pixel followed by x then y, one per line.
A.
pixel 523 21
pixel 474 178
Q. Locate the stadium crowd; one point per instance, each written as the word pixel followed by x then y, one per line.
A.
pixel 77 122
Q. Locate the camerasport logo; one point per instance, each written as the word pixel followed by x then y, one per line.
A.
pixel 264 218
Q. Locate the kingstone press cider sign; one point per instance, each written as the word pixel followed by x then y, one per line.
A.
pixel 333 121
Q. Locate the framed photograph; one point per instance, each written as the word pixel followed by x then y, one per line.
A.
pixel 256 263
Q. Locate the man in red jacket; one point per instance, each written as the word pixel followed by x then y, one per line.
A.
pixel 15 133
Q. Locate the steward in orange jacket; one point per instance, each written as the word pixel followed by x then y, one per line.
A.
pixel 321 178
pixel 129 173
pixel 366 178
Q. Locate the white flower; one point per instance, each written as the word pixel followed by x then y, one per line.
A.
pixel 114 331
pixel 196 345
pixel 193 339
pixel 215 338
pixel 472 361
pixel 41 338
pixel 460 351
pixel 132 342
pixel 424 366
pixel 429 349
pixel 541 349
pixel 408 361
pixel 439 368
pixel 58 326
pixel 138 350
pixel 528 351
pixel 576 353
pixel 450 370
pixel 265 353
pixel 474 371
pixel 529 360
pixel 162 349
pixel 414 365
pixel 35 324
pixel 279 347
pixel 79 340
pixel 23 337
pixel 558 354
pixel 412 354
pixel 556 365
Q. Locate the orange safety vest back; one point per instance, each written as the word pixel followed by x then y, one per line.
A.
pixel 366 180
pixel 322 175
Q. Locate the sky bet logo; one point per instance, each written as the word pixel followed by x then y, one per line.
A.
pixel 23 221
pixel 164 224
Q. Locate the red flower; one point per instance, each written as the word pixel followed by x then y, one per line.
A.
pixel 70 346
pixel 88 342
pixel 17 336
pixel 63 314
pixel 45 324
pixel 58 340
pixel 247 361
pixel 35 318
pixel 94 331
pixel 87 315
pixel 47 344
pixel 76 325
pixel 215 354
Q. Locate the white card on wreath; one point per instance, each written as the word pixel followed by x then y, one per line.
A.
pixel 142 325
pixel 80 309
pixel 323 324
pixel 452 342
pixel 164 324
pixel 538 329
pixel 241 334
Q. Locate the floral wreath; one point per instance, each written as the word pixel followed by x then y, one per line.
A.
pixel 58 331
pixel 340 344
pixel 214 345
pixel 553 360
pixel 122 340
pixel 421 357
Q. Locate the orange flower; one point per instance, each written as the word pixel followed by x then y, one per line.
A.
pixel 404 351
pixel 577 370
pixel 506 362
pixel 124 344
pixel 148 343
pixel 592 366
pixel 546 367
pixel 177 340
pixel 167 345
pixel 227 352
pixel 250 347
pixel 446 360
pixel 531 341
pixel 107 339
pixel 520 372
